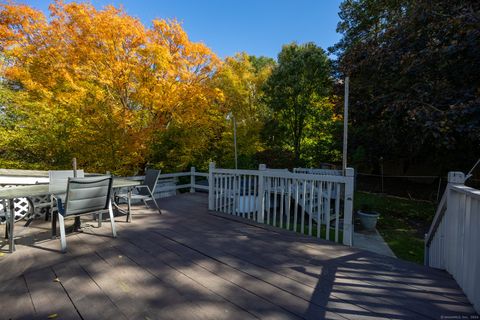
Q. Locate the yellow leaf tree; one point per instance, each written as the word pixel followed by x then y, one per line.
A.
pixel 96 84
pixel 241 79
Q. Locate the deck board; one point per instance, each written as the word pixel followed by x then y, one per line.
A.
pixel 189 263
pixel 285 279
pixel 15 300
pixel 240 295
pixel 48 296
pixel 89 299
pixel 195 288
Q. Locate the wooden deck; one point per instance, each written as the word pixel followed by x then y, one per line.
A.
pixel 189 264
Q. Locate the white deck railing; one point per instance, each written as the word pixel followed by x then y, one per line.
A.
pixel 453 241
pixel 315 203
pixel 306 203
pixel 328 172
pixel 168 183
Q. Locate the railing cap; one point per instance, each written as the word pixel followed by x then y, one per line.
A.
pixel 349 172
pixel 456 177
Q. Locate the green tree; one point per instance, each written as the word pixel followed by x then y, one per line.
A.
pixel 296 92
pixel 241 79
pixel 414 69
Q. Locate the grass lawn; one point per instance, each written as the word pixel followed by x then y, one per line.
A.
pixel 402 223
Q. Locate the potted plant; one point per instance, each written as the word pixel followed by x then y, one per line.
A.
pixel 368 217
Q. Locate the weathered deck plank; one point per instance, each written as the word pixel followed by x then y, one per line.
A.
pixel 372 306
pixel 238 295
pixel 188 263
pixel 88 298
pixel 48 296
pixel 316 296
pixel 207 303
pixel 15 301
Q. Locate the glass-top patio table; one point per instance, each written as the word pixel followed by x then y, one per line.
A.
pixel 43 189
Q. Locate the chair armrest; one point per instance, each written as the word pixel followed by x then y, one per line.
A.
pixel 143 186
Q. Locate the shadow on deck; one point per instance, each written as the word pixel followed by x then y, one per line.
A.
pixel 189 264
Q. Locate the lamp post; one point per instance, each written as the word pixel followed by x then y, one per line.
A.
pixel 231 116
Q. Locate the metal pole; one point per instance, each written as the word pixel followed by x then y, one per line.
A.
pixel 77 223
pixel 235 141
pixel 345 124
pixel 469 174
pixel 74 165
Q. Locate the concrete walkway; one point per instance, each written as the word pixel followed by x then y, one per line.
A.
pixel 372 241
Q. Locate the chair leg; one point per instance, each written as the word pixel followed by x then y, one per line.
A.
pixel 54 223
pixel 156 204
pixel 63 240
pixel 112 220
pixel 100 219
pixel 47 214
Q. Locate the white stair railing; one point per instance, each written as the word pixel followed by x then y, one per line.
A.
pixel 307 203
pixel 453 241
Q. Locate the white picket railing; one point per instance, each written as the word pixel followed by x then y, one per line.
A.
pixel 294 201
pixel 168 183
pixel 328 172
pixel 453 241
pixel 316 203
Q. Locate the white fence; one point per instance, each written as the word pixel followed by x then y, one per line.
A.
pixel 328 172
pixel 169 183
pixel 319 205
pixel 453 241
pixel 167 186
pixel 316 203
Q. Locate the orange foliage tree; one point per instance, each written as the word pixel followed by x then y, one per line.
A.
pixel 96 85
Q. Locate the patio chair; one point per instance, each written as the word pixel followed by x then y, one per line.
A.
pixel 143 192
pixel 58 180
pixel 85 196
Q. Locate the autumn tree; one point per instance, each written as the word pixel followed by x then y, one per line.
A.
pixel 241 79
pixel 95 84
pixel 298 93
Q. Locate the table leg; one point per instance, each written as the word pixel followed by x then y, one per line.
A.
pixel 77 226
pixel 6 208
pixel 129 205
pixel 12 225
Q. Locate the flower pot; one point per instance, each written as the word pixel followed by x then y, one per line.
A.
pixel 368 219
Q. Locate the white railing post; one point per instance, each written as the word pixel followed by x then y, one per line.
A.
pixel 456 177
pixel 348 207
pixel 452 222
pixel 211 187
pixel 192 179
pixel 261 194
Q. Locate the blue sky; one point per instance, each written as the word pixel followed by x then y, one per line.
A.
pixel 258 27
